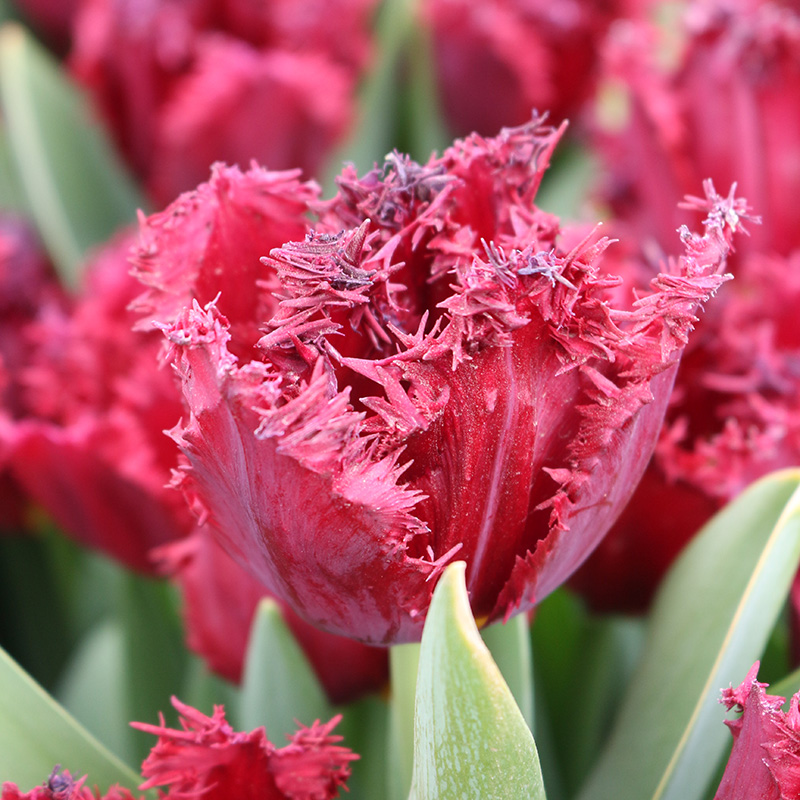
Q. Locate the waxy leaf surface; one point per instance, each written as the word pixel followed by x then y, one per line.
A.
pixel 470 738
pixel 710 622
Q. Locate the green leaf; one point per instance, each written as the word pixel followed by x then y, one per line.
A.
pixel 279 686
pixel 403 666
pixel 583 663
pixel 77 191
pixel 510 646
pixel 92 688
pixel 36 734
pixel 711 620
pixel 364 728
pixel 154 653
pixel 470 738
pixel 12 198
pixel 203 690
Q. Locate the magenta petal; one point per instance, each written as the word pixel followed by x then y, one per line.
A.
pixel 765 760
pixel 208 758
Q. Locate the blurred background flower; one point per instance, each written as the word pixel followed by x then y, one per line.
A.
pixel 734 415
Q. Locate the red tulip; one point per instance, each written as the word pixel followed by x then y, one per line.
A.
pixel 207 757
pixel 89 447
pixel 765 760
pixel 438 376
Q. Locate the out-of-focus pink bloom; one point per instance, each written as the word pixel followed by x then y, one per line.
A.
pixel 90 448
pixel 207 757
pixel 52 19
pixel 738 72
pixel 765 760
pixel 27 283
pixel 497 60
pixel 62 786
pixel 735 411
pixel 734 416
pixel 220 600
pixel 184 83
pixel 439 377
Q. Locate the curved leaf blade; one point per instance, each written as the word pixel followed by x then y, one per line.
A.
pixel 470 738
pixel 279 686
pixel 36 733
pixel 77 191
pixel 92 688
pixel 403 667
pixel 510 646
pixel 711 620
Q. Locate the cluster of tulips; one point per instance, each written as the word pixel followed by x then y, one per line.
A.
pixel 410 388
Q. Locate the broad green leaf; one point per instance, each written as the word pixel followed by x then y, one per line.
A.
pixel 155 656
pixel 470 738
pixel 583 662
pixel 403 665
pixel 92 688
pixel 510 646
pixel 711 620
pixel 203 689
pixel 36 734
pixel 279 685
pixel 77 191
pixel 364 728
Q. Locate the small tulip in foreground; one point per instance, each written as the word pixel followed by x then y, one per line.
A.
pixel 765 760
pixel 441 371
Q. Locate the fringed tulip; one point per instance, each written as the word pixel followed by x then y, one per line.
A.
pixel 735 411
pixel 765 760
pixel 89 448
pixel 737 70
pixel 62 786
pixel 207 757
pixel 184 83
pixel 438 377
pixel 27 285
pixel 496 60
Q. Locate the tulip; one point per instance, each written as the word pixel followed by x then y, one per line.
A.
pixel 27 282
pixel 87 444
pixel 182 84
pixel 738 71
pixel 438 376
pixel 734 414
pixel 765 760
pixel 494 61
pixel 208 757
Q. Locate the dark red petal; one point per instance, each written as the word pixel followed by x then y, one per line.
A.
pixel 219 601
pixel 209 242
pixel 301 499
